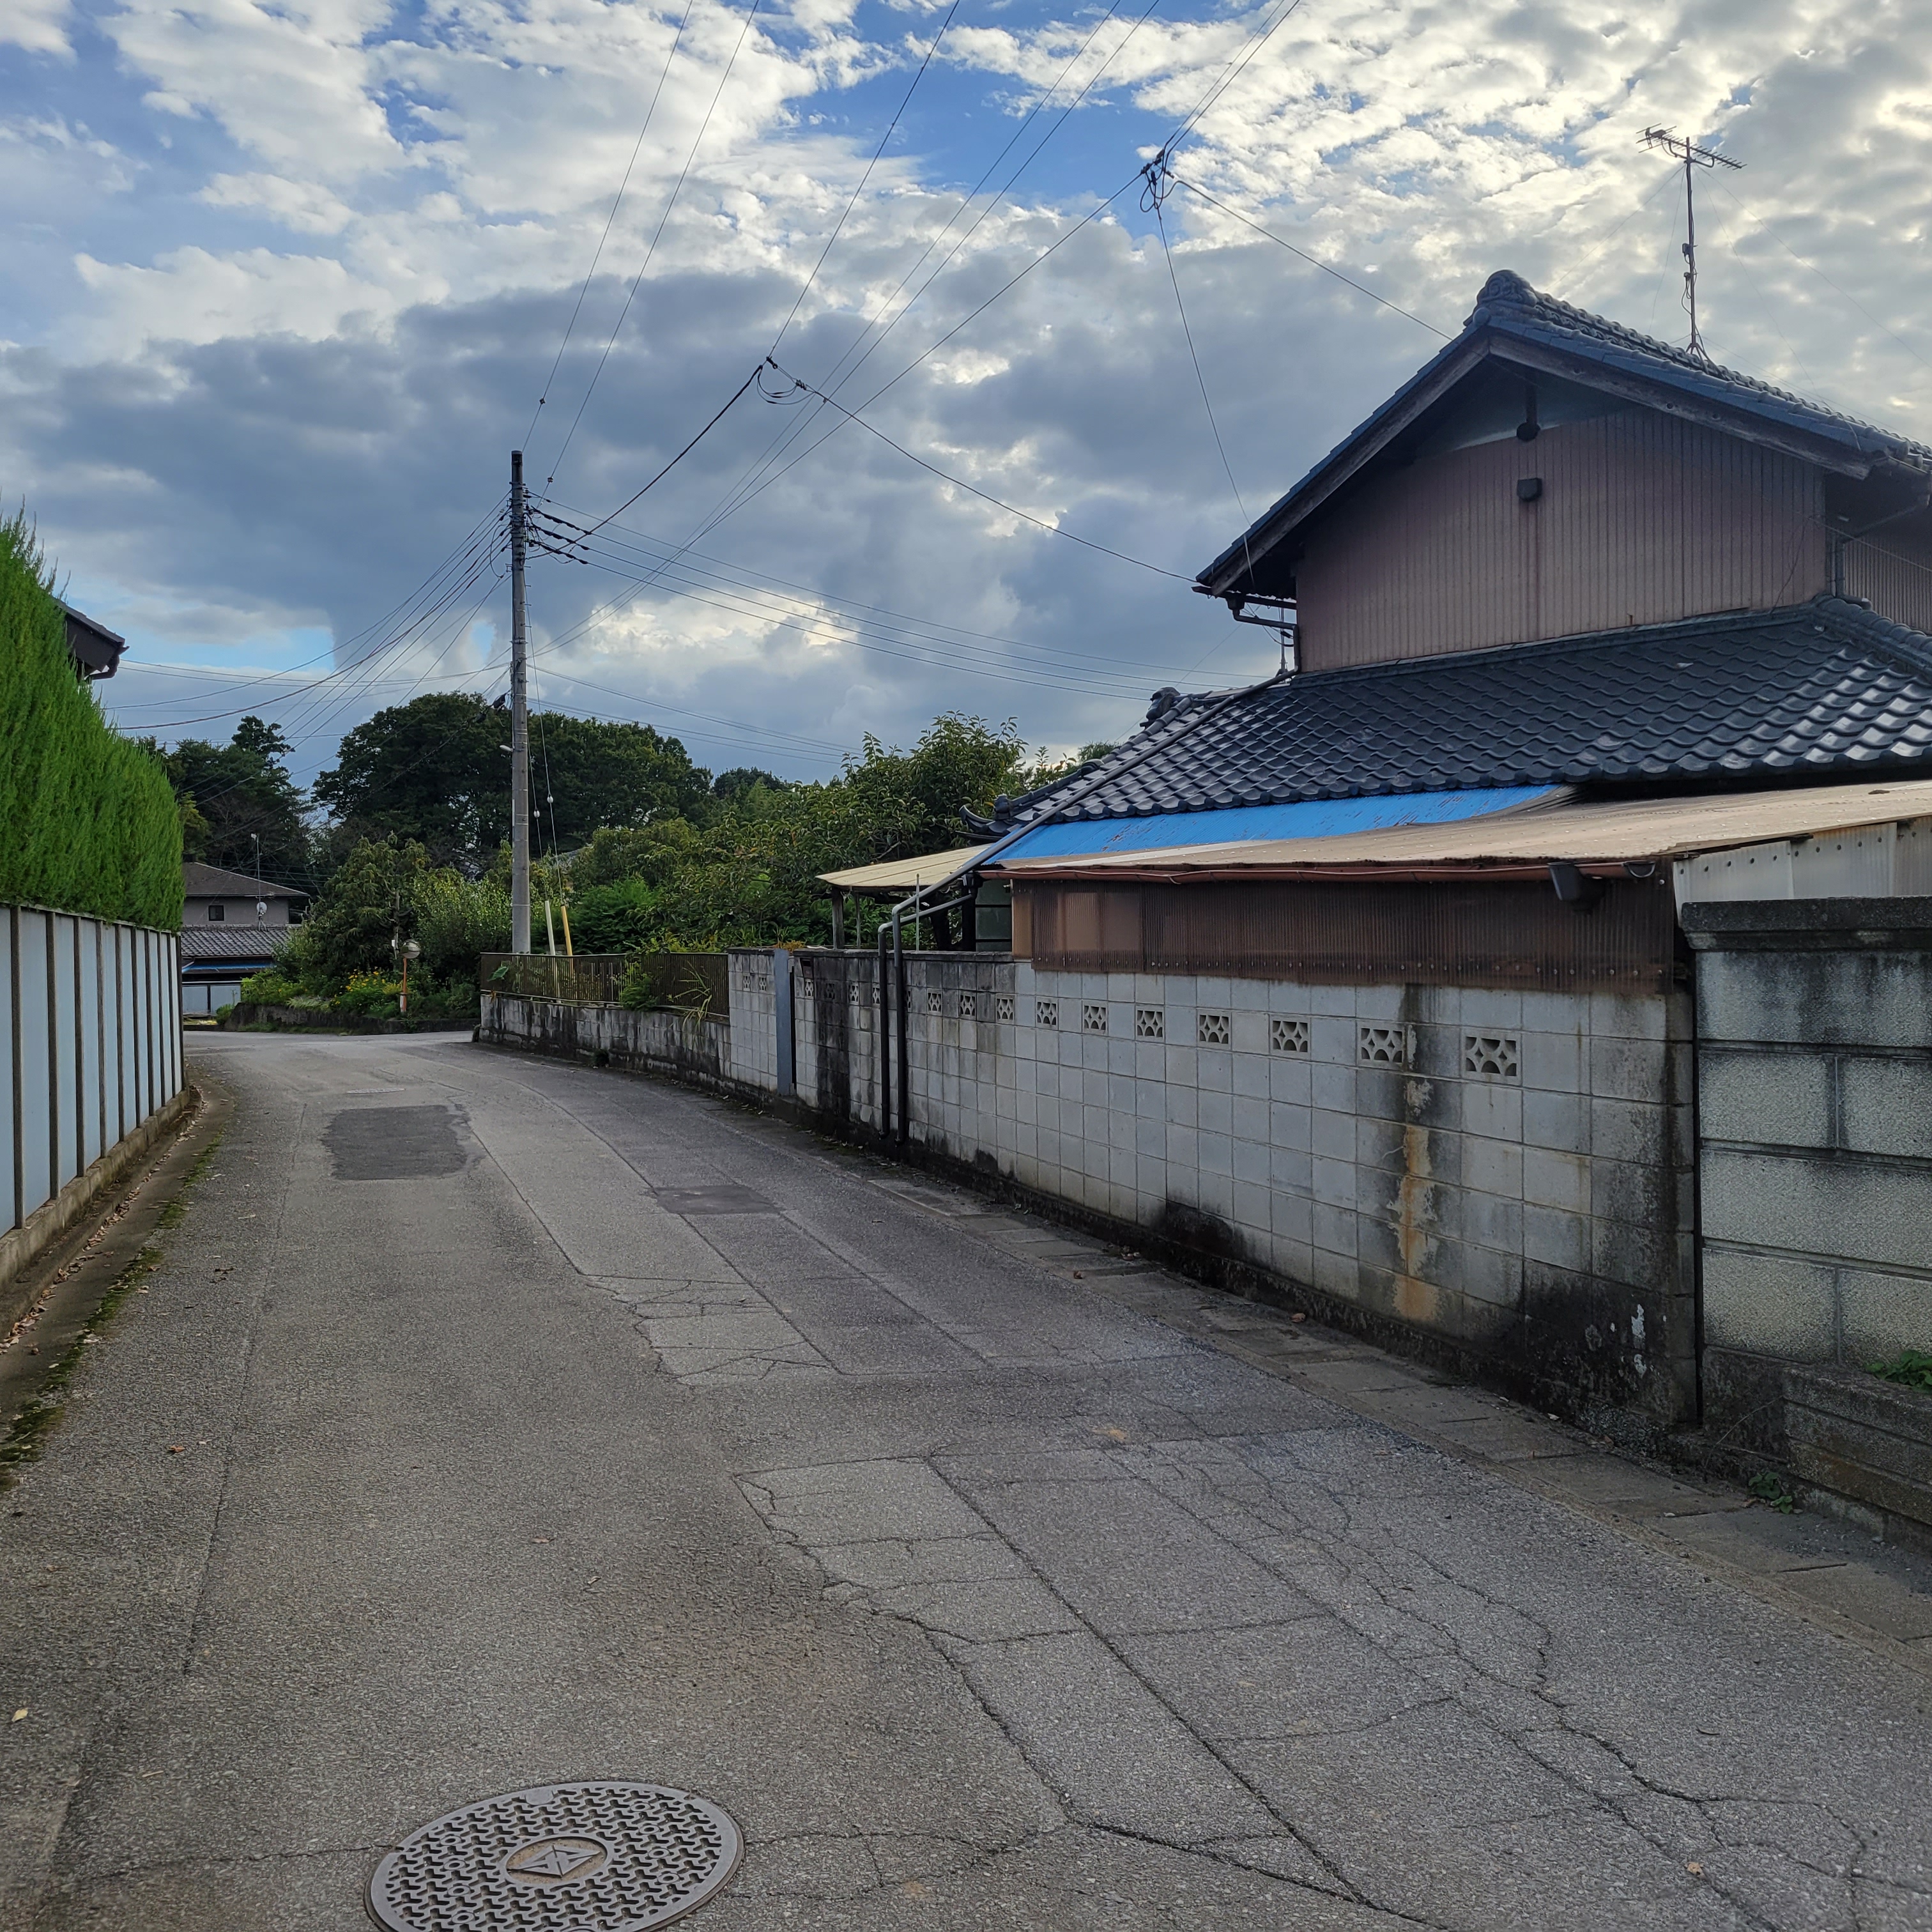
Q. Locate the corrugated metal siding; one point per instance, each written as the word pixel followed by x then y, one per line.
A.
pixel 1481 934
pixel 1642 520
pixel 1894 569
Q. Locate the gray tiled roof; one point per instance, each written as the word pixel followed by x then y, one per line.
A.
pixel 217 882
pixel 237 944
pixel 1824 688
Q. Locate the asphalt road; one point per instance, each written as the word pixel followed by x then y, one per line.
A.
pixel 494 1423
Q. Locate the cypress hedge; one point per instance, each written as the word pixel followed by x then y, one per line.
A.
pixel 87 821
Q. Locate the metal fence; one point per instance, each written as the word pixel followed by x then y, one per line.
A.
pixel 91 1047
pixel 686 981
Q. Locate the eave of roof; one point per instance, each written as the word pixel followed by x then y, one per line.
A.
pixel 1518 323
pixel 1608 833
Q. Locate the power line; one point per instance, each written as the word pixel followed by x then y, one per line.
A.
pixel 682 453
pixel 839 225
pixel 1313 261
pixel 671 202
pixel 598 254
pixel 879 327
pixel 690 558
pixel 959 483
pixel 1757 222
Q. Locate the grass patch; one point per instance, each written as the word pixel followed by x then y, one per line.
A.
pixel 34 1419
pixel 1910 1368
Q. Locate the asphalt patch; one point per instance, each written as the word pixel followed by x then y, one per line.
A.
pixel 394 1143
pixel 725 1199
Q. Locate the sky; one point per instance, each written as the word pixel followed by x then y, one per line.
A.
pixel 285 283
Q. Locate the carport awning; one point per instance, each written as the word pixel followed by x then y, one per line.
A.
pixel 896 878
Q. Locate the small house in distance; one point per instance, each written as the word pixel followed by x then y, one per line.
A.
pixel 231 925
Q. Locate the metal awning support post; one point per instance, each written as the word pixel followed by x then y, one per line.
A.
pixel 884 1042
pixel 892 971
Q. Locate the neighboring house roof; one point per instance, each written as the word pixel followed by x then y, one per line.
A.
pixel 214 882
pixel 1536 333
pixel 97 650
pixel 1587 832
pixel 1820 689
pixel 230 945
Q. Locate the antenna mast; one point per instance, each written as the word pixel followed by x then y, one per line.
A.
pixel 1692 157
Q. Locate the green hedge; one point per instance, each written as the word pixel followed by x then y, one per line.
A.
pixel 90 822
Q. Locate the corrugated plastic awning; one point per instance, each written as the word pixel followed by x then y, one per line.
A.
pixel 900 876
pixel 1585 833
pixel 1310 818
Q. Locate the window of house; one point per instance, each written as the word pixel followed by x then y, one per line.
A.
pixel 217 910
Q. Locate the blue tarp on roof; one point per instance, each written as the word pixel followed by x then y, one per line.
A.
pixel 1312 818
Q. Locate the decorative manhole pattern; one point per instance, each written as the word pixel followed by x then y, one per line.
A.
pixel 562 1858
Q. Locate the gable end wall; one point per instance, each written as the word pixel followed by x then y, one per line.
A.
pixel 1642 519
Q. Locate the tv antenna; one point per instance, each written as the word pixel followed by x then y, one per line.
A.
pixel 1692 157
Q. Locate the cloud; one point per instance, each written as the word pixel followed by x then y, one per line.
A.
pixel 38 25
pixel 275 400
pixel 305 206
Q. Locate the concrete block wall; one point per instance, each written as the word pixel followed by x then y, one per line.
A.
pixel 1815 1072
pixel 1513 1172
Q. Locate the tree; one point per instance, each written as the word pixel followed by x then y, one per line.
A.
pixel 229 795
pixel 589 773
pixel 435 770
pixel 370 901
pixel 727 785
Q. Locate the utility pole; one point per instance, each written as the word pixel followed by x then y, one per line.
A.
pixel 520 739
pixel 1692 156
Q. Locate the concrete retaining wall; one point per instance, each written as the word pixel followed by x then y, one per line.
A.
pixel 1815 1096
pixel 691 1047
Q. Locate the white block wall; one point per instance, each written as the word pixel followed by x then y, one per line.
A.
pixel 1512 1169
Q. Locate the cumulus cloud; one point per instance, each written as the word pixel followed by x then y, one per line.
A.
pixel 270 408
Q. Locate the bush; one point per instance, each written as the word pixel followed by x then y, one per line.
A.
pixel 370 993
pixel 92 823
pixel 456 920
pixel 270 988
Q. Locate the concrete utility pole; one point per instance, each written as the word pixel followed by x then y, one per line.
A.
pixel 520 740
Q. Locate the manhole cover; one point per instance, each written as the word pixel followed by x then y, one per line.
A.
pixel 563 1858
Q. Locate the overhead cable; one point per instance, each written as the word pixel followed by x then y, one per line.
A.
pixel 852 201
pixel 986 496
pixel 671 201
pixel 597 254
pixel 1313 261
